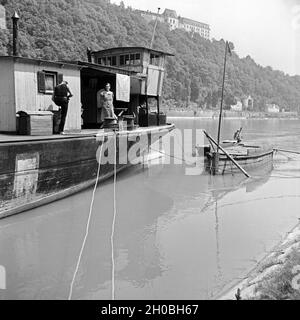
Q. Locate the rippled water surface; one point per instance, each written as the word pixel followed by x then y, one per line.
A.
pixel 176 236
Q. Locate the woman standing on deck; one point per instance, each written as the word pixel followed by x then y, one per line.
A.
pixel 105 105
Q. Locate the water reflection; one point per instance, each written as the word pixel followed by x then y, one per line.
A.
pixel 176 236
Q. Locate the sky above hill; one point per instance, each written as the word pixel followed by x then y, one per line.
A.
pixel 268 30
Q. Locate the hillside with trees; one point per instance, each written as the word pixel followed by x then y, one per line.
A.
pixel 63 29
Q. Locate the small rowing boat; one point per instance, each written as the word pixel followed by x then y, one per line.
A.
pixel 249 155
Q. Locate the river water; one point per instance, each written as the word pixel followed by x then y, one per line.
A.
pixel 176 236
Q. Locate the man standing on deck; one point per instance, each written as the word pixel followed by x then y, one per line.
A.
pixel 105 105
pixel 61 97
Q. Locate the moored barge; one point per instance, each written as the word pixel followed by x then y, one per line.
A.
pixel 38 169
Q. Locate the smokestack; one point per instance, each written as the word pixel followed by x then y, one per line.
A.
pixel 15 18
pixel 89 54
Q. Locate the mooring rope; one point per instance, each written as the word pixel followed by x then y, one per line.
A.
pixel 87 226
pixel 114 223
pixel 171 156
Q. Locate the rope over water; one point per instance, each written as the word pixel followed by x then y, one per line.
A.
pixel 87 226
pixel 114 223
pixel 89 222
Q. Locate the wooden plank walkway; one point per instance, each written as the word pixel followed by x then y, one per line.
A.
pixel 4 138
pixel 9 138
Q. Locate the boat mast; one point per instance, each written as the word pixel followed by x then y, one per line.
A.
pixel 151 46
pixel 227 49
pixel 154 29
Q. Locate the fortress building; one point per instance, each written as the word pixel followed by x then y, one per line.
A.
pixel 2 17
pixel 176 22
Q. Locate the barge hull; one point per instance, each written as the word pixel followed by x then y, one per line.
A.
pixel 36 171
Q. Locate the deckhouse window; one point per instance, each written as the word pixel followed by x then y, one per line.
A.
pixel 47 80
pixel 102 61
pixel 111 61
pixel 50 82
pixel 154 59
pixel 114 61
pixel 125 60
pixel 130 59
pixel 137 59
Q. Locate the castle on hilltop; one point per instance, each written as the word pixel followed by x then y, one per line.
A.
pixel 2 17
pixel 176 22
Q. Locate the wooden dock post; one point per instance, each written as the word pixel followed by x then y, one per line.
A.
pixel 215 163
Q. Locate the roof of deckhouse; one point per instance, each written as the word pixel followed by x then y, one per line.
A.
pixel 61 64
pixel 102 68
pixel 132 49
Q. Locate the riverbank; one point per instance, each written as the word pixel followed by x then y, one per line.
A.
pixel 274 278
pixel 211 114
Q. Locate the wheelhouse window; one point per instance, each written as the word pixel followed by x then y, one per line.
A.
pixel 114 61
pixel 132 59
pixel 154 59
pixel 102 61
pixel 125 60
pixel 111 61
pixel 137 59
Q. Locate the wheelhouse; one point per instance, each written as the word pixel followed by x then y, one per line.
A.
pixel 145 68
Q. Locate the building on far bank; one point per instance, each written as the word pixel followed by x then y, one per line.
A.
pixel 151 16
pixel 237 107
pixel 170 17
pixel 2 17
pixel 272 108
pixel 248 103
pixel 176 22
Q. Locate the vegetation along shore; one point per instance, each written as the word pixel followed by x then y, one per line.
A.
pixel 276 277
pixel 63 29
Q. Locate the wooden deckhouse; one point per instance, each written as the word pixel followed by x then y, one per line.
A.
pixel 28 84
pixel 147 67
pixel 148 64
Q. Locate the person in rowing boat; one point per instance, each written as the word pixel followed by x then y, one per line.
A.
pixel 238 135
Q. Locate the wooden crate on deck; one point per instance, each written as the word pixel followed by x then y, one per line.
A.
pixel 150 119
pixel 35 123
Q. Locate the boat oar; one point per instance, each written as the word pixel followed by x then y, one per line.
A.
pixel 227 154
pixel 286 151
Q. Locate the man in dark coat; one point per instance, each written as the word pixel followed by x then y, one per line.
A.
pixel 61 97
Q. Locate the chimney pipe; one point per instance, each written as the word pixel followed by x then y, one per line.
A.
pixel 15 18
pixel 89 54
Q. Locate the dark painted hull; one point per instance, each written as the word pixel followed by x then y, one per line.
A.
pixel 37 172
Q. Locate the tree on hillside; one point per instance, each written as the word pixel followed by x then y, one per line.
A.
pixel 63 29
